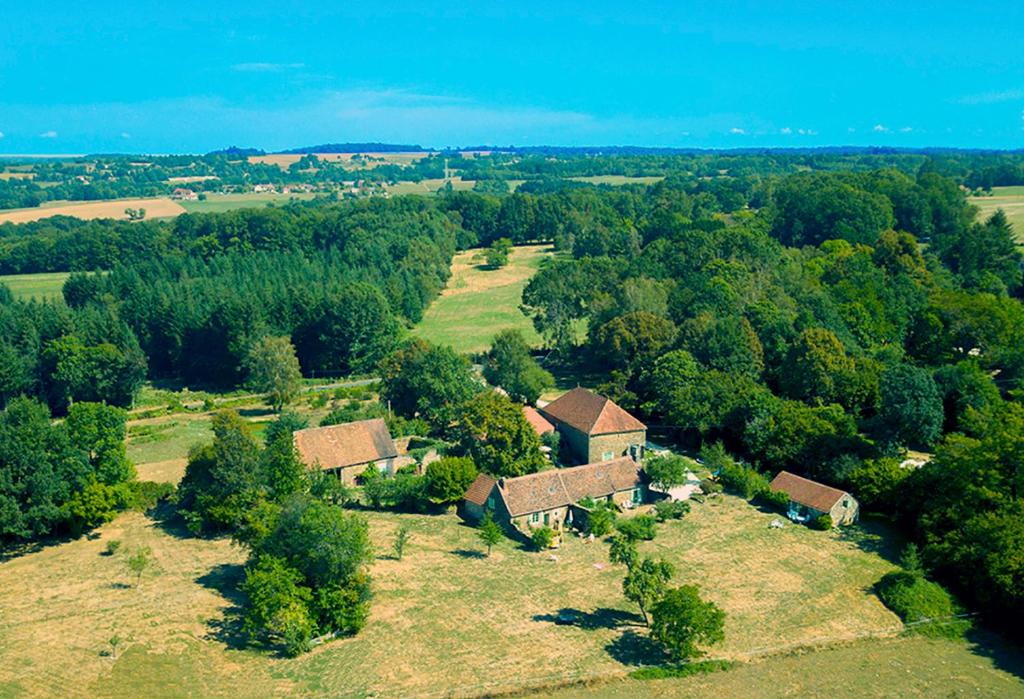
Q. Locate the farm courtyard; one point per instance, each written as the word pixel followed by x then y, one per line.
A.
pixel 445 620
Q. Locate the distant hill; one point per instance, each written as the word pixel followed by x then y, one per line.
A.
pixel 356 148
pixel 235 151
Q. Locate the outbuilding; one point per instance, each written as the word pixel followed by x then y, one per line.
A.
pixel 809 500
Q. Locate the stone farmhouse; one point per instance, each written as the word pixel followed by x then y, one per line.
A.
pixel 593 428
pixel 349 449
pixel 550 498
pixel 809 500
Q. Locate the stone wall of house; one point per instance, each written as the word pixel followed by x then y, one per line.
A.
pixel 617 445
pixel 845 511
pixel 555 518
pixel 573 445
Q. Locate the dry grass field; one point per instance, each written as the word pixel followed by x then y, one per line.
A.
pixel 429 186
pixel 159 207
pixel 283 161
pixel 1010 200
pixel 445 620
pixel 479 302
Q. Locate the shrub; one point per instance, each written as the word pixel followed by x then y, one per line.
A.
pixel 671 509
pixel 914 599
pixel 542 538
pixel 710 487
pixel 641 527
pixel 702 667
pixel 143 495
pixel 112 546
pixel 822 523
pixel 774 498
pixel 600 519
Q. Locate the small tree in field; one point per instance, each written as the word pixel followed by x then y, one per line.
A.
pixel 646 582
pixel 623 550
pixel 274 370
pixel 489 532
pixel 666 471
pixel 681 620
pixel 497 254
pixel 542 538
pixel 138 562
pixel 402 537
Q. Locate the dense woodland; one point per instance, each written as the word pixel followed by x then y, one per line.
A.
pixel 817 312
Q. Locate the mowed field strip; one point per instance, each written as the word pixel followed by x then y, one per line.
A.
pixel 158 207
pixel 479 302
pixel 463 624
pixel 45 285
pixel 1011 201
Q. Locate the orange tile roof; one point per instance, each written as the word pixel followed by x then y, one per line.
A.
pixel 539 422
pixel 590 413
pixel 807 492
pixel 349 444
pixel 547 490
pixel 480 489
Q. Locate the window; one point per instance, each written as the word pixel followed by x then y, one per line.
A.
pixel 535 517
pixel 607 456
pixel 637 496
pixel 490 503
pixel 846 503
pixel 547 519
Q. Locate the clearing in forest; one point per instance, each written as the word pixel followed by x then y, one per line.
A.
pixel 159 207
pixel 45 285
pixel 479 301
pixel 1010 200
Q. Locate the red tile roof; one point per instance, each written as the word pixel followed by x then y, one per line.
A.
pixel 590 413
pixel 480 489
pixel 349 444
pixel 547 490
pixel 807 492
pixel 539 422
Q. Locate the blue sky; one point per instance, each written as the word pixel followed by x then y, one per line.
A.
pixel 189 77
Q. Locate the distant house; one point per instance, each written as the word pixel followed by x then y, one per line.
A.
pixel 549 498
pixel 264 189
pixel 593 428
pixel 184 194
pixel 809 500
pixel 349 449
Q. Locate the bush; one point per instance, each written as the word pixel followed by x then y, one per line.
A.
pixel 822 523
pixel 774 498
pixel 144 495
pixel 671 509
pixel 703 667
pixel 914 598
pixel 112 546
pixel 641 527
pixel 600 519
pixel 542 538
pixel 710 487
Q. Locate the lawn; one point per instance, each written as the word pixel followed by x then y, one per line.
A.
pixel 1010 200
pixel 46 285
pixel 478 301
pixel 216 203
pixel 444 620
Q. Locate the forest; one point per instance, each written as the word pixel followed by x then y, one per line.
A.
pixel 820 320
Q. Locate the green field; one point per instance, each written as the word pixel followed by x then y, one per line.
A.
pixel 1010 200
pixel 216 203
pixel 46 285
pixel 479 302
pixel 464 624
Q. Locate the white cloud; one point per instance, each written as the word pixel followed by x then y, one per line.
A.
pixel 48 134
pixel 880 128
pixel 736 131
pixel 786 130
pixel 266 67
pixel 906 129
pixel 1011 95
pixel 850 129
pixel 1 134
pixel 125 134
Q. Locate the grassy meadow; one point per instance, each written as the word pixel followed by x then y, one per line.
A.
pixel 158 207
pixel 1010 200
pixel 617 180
pixel 479 301
pixel 46 285
pixel 463 624
pixel 218 203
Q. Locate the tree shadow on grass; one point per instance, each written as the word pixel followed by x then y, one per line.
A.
pixel 632 648
pixel 165 516
pixel 469 553
pixel 600 618
pixel 1003 654
pixel 874 535
pixel 225 579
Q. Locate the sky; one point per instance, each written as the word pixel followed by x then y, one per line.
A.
pixel 189 77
